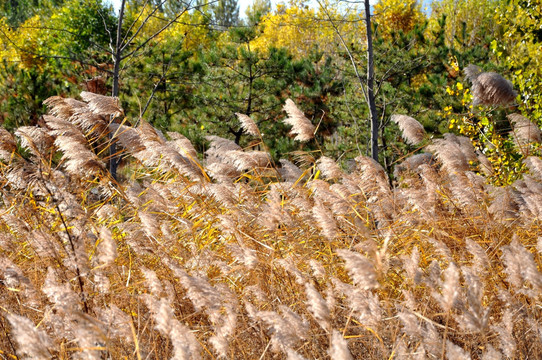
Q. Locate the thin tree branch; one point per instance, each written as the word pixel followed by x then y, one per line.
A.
pixel 134 22
pixel 143 23
pixel 345 46
pixel 93 43
pixel 161 79
pixel 154 35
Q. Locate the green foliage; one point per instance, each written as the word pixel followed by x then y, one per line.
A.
pixel 225 13
pixel 257 11
pixel 239 79
pixel 80 26
pixel 18 11
pixel 194 77
pixel 519 50
pixel 24 90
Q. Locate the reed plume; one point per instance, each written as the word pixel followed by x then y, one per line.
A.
pixel 103 105
pixel 248 124
pixel 339 347
pixel 411 130
pixel 489 88
pixel 302 127
pixel 525 133
pixel 32 342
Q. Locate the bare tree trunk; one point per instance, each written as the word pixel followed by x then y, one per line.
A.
pixel 117 57
pixel 369 93
pixel 373 116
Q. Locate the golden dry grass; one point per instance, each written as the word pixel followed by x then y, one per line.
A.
pixel 235 258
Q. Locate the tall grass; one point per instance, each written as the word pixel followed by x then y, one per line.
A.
pixel 235 257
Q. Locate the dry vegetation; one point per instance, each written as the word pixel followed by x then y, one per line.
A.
pixel 235 257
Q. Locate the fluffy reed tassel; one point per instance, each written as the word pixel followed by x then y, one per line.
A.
pixel 339 347
pixel 489 88
pixel 374 177
pixel 7 145
pixel 289 171
pixel 63 108
pixel 317 306
pixel 484 164
pixel 183 145
pixel 454 352
pixel 465 145
pixel 35 139
pixel 78 158
pixel 248 124
pixel 185 345
pixel 285 331
pixel 301 126
pixel 413 163
pixel 33 343
pixel 491 353
pixel 525 132
pixel 450 288
pixel 450 154
pixel 412 131
pixel 324 219
pixel 360 269
pixel 103 105
pixel 329 168
pixel 521 268
pixel 128 137
pixel 535 166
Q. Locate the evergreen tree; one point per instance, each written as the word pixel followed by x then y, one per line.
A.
pixel 17 11
pixel 257 10
pixel 226 14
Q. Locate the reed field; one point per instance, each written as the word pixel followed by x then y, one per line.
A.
pixel 230 255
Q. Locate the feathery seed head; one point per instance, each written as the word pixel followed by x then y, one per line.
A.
pixel 33 343
pixel 339 347
pixel 534 164
pixel 329 168
pixel 248 124
pixel 489 88
pixel 524 131
pixel 360 269
pixel 301 126
pixel 472 72
pixel 103 105
pixel 412 131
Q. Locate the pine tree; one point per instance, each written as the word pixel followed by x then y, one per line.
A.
pixel 257 10
pixel 226 14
